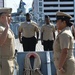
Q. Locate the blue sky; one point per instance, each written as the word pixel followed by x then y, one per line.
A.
pixel 14 4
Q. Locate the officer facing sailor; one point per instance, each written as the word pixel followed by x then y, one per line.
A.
pixel 7 49
pixel 63 46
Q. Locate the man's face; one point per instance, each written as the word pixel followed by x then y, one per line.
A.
pixel 47 20
pixel 9 18
pixel 28 18
pixel 6 17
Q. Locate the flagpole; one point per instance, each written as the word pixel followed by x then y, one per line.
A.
pixel 3 3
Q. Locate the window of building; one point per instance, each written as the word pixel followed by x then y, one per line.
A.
pixel 66 0
pixel 50 10
pixel 40 15
pixel 72 15
pixel 50 0
pixel 40 3
pixel 67 5
pixel 51 5
pixel 67 10
pixel 40 9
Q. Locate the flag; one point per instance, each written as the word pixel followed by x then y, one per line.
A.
pixel 23 3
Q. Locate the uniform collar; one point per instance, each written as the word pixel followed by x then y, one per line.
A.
pixel 28 22
pixel 66 28
pixel 47 24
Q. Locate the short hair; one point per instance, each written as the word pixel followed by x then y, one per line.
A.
pixel 27 14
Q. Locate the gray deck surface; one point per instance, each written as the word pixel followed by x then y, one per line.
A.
pixel 19 47
pixel 39 47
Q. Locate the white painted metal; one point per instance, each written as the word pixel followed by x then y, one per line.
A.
pixel 48 63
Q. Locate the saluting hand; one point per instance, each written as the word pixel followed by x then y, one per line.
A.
pixel 6 21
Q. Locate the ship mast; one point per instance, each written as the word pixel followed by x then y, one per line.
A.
pixel 20 4
pixel 3 3
pixel 21 8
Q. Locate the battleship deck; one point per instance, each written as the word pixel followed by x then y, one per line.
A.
pixel 47 65
pixel 39 47
pixel 19 47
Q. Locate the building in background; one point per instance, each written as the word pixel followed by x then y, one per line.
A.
pixel 1 3
pixel 50 7
pixel 38 13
